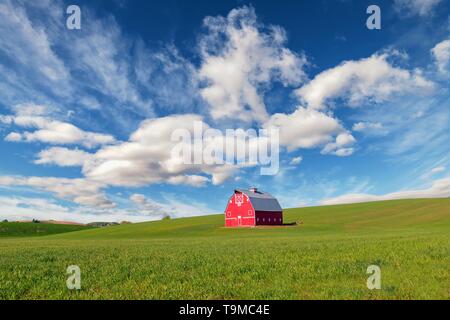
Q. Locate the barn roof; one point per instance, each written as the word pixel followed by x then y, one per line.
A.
pixel 261 201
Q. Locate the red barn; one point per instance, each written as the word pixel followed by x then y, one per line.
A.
pixel 249 208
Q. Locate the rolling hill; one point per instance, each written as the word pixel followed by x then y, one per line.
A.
pixel 377 217
pixel 325 257
pixel 30 229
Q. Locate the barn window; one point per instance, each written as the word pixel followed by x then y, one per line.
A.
pixel 250 212
pixel 264 219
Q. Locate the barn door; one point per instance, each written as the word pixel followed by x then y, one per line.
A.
pixel 239 220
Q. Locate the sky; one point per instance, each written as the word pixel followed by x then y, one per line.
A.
pixel 87 115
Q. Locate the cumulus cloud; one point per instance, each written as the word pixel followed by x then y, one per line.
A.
pixel 374 79
pixel 52 131
pixel 340 147
pixel 441 55
pixel 13 137
pixel 62 157
pixel 154 153
pixel 239 58
pixel 439 189
pixel 416 7
pixel 148 157
pixel 309 128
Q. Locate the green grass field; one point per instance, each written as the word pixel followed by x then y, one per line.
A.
pixel 325 257
pixel 29 229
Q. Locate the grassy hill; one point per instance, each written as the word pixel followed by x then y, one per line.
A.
pixel 29 229
pixel 377 217
pixel 325 257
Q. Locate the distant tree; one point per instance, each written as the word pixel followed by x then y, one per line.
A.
pixel 102 224
pixel 166 217
pixel 125 222
pixel 6 220
pixel 35 221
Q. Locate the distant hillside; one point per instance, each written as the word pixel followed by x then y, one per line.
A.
pixel 382 216
pixel 29 229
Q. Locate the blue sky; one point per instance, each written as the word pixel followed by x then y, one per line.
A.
pixel 86 115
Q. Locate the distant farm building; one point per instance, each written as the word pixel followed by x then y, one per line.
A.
pixel 249 208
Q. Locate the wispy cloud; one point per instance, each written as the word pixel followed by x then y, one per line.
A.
pixel 433 172
pixel 416 7
pixel 79 191
pixel 439 189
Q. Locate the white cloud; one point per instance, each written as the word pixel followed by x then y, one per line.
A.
pixel 437 170
pixel 148 206
pixel 13 137
pixel 241 57
pixel 439 189
pixel 62 157
pixel 374 79
pixel 308 128
pixel 296 161
pixel 441 55
pixel 170 205
pixel 26 209
pixel 138 199
pixel 416 7
pixel 52 131
pixel 30 109
pixel 341 147
pixel 80 191
pixel 16 208
pixel 370 128
pixel 148 158
pixel 433 172
pixel 185 207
